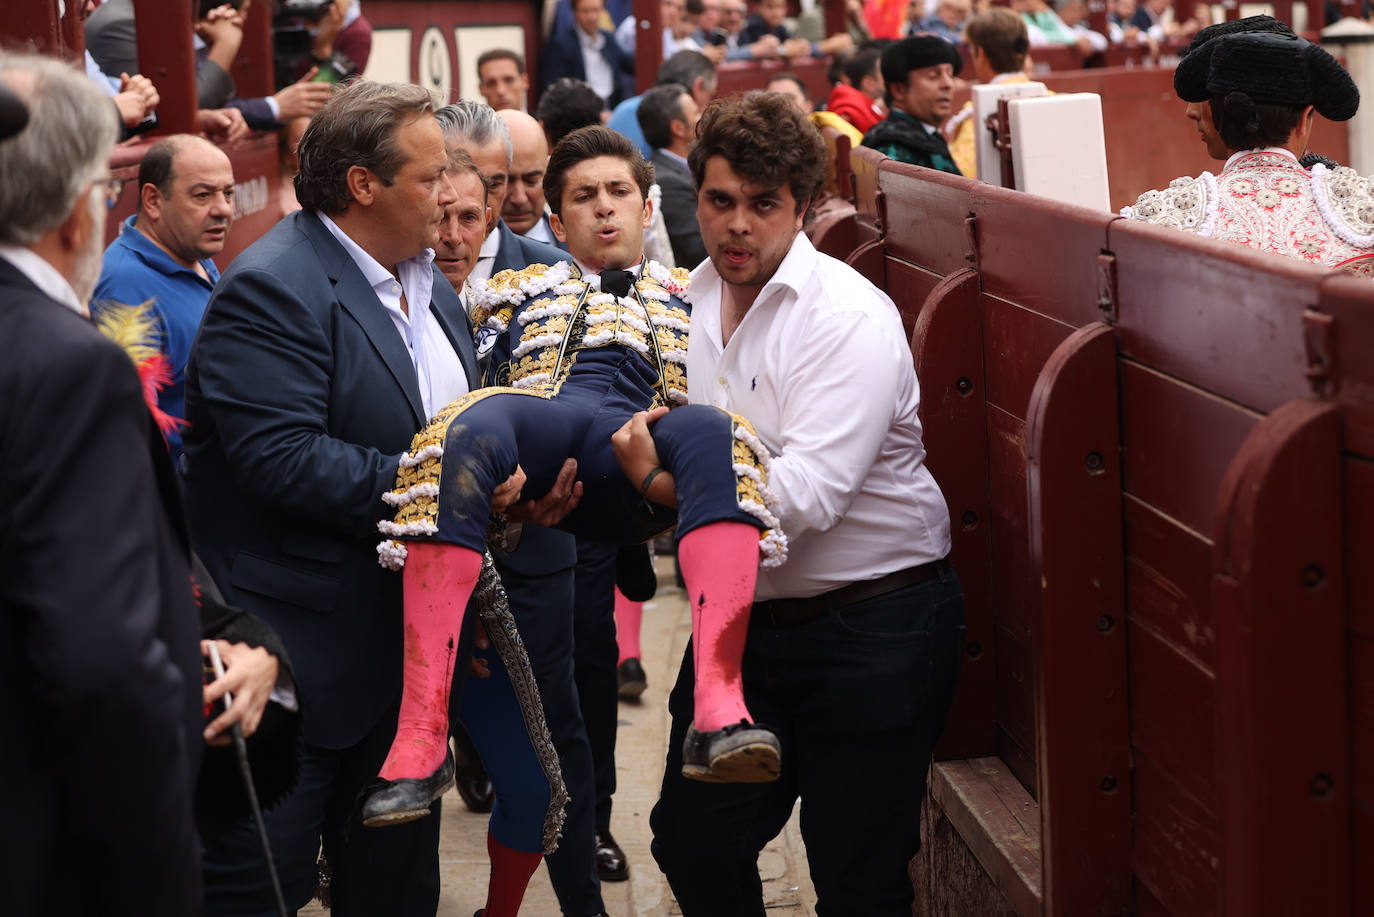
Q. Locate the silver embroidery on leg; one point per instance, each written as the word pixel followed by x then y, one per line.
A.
pixel 496 617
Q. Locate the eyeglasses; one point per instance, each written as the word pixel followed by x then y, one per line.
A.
pixel 113 188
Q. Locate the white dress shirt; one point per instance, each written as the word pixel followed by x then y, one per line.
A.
pixel 820 365
pixel 438 370
pixel 542 232
pixel 486 256
pixel 599 74
pixel 44 276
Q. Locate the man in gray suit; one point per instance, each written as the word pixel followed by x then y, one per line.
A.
pixel 668 116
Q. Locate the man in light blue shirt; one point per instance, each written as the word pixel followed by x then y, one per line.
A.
pixel 162 254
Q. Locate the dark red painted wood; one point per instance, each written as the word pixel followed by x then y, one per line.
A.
pixel 1018 341
pixel 648 41
pixel 1040 257
pixel 911 288
pixel 166 58
pixel 946 346
pixel 915 201
pixel 1178 442
pixel 1176 842
pixel 1281 719
pixel 865 164
pixel 1359 545
pixel 1168 579
pixel 1346 300
pixel 1172 696
pixel 1074 484
pixel 1201 309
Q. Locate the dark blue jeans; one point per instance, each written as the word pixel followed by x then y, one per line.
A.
pixel 857 698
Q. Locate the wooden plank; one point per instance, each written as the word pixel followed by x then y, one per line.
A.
pixel 865 163
pixel 1349 301
pixel 1362 898
pixel 1199 309
pixel 1359 544
pixel 1018 342
pixel 910 287
pixel 1145 904
pixel 1020 761
pixel 1178 441
pixel 868 260
pixel 999 821
pixel 1171 711
pixel 1176 846
pixel 1062 240
pixel 1016 696
pixel 947 349
pixel 925 214
pixel 1082 725
pixel 1168 581
pixel 1281 712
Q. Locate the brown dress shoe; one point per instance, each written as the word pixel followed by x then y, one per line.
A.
pixel 611 865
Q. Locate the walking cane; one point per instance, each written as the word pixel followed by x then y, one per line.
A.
pixel 241 751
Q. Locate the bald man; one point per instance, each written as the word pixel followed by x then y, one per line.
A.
pixel 523 209
pixel 163 252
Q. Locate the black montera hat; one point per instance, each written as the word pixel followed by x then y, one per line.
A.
pixel 1271 68
pixel 916 53
pixel 1231 27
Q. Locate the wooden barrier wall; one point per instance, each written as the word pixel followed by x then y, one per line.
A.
pixel 1158 452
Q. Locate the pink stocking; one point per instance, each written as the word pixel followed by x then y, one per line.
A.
pixel 439 579
pixel 720 562
pixel 627 617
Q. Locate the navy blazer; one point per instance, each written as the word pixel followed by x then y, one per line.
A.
pixel 679 209
pixel 301 397
pixel 541 551
pixel 563 57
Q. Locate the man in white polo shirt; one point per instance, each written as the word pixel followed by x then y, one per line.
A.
pixel 854 644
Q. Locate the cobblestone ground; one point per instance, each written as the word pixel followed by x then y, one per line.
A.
pixel 639 764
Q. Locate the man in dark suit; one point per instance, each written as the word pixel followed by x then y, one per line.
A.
pixel 668 116
pixel 98 659
pixel 538 575
pixel 588 52
pixel 327 345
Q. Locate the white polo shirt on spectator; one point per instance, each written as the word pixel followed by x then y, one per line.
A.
pixel 820 365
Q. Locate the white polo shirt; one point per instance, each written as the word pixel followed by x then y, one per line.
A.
pixel 820 365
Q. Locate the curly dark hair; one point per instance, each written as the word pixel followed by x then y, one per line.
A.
pixel 589 143
pixel 566 105
pixel 765 139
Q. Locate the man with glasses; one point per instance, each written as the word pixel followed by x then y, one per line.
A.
pixel 99 636
pixel 163 253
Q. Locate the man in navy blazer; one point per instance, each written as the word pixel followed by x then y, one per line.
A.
pixel 589 53
pixel 326 346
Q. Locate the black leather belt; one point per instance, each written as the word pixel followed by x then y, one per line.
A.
pixel 790 612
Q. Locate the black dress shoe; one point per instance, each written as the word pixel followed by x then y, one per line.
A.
pixel 611 865
pixel 631 679
pixel 474 787
pixel 393 802
pixel 634 573
pixel 741 752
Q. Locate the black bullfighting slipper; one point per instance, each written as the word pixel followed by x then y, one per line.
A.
pixel 742 752
pixel 630 679
pixel 611 864
pixel 394 802
pixel 634 573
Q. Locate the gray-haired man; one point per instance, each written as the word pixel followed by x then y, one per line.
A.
pixel 99 634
